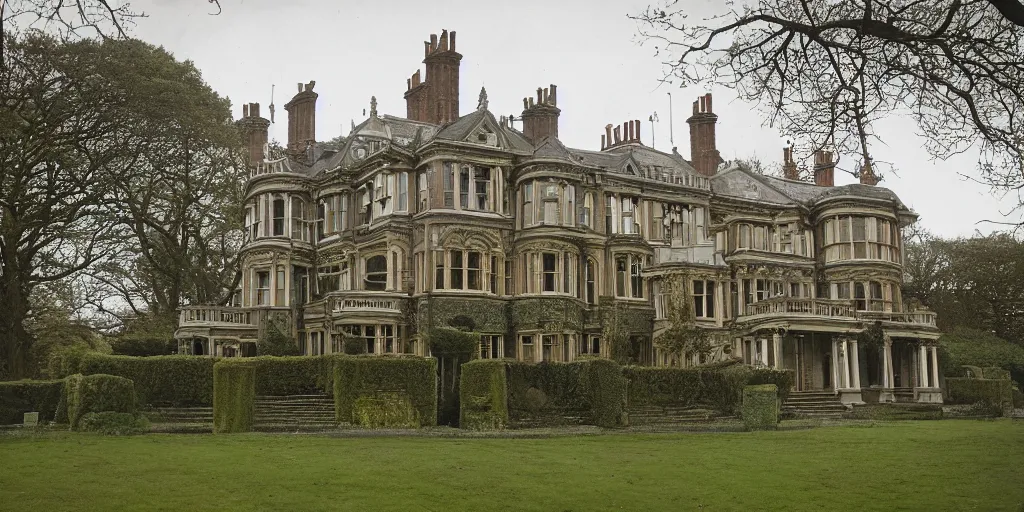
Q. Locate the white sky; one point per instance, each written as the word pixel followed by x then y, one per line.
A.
pixel 589 49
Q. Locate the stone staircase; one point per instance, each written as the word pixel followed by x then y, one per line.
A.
pixel 294 412
pixel 180 419
pixel 904 395
pixel 667 416
pixel 813 404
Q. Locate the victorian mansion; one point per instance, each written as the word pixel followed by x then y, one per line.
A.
pixel 442 218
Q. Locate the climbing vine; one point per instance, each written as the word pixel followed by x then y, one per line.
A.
pixel 683 338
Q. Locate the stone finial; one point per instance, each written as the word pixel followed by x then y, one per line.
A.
pixel 481 103
pixel 373 106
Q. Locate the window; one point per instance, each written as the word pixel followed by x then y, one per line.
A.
pixel 570 205
pixel 251 224
pixel 455 281
pixel 526 349
pixel 586 210
pixel 491 346
pixel 628 279
pixel 591 345
pixel 376 274
pixel 473 271
pixel 365 207
pixel 367 332
pixel 299 219
pixel 482 187
pixel 332 277
pixel 449 184
pixel 550 274
pixel 658 222
pixel 842 290
pixel 279 288
pixel 278 216
pixel 628 211
pixel 464 187
pixel 621 265
pixel 321 220
pixel 424 193
pixel 761 238
pixel 403 191
pixel 549 215
pixel 438 270
pixel 548 348
pixel 635 279
pixel 857 237
pixel 744 237
pixel 493 276
pixel 589 278
pixel 341 219
pixel 508 277
pixel 858 296
pixel 703 298
pixel 262 288
pixel 528 204
pixel 609 215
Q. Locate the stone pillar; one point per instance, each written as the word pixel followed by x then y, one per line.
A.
pixel 835 366
pixel 888 378
pixel 764 351
pixel 777 349
pixel 935 367
pixel 855 363
pixel 922 366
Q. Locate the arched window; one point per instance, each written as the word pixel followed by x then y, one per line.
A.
pixel 375 277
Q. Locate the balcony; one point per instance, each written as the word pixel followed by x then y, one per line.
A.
pixel 215 316
pixel 368 302
pixel 832 309
pixel 270 167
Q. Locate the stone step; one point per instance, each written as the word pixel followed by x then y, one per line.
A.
pixel 295 402
pixel 270 398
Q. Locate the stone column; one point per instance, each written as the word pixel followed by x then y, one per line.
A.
pixel 835 365
pixel 846 364
pixel 855 363
pixel 935 367
pixel 764 351
pixel 777 349
pixel 922 366
pixel 888 378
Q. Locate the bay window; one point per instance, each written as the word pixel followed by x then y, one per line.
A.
pixel 629 281
pixel 859 237
pixel 528 204
pixel 332 277
pixel 703 298
pixel 262 288
pixel 448 179
pixel 299 231
pixel 375 273
pixel 464 271
pixel 278 219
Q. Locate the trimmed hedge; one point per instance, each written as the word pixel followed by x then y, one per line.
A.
pixel 99 393
pixel 385 409
pixel 114 423
pixel 234 396
pixel 483 395
pixel 366 376
pixel 21 396
pixel 761 407
pixel 294 375
pixel 995 373
pixel 175 381
pixel 715 387
pixel 895 411
pixel 589 391
pixel 998 393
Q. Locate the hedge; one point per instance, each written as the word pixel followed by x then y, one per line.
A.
pixel 715 387
pixel 996 392
pixel 384 409
pixel 21 396
pixel 356 377
pixel 995 373
pixel 294 375
pixel 760 409
pixel 589 391
pixel 234 396
pixel 175 381
pixel 114 423
pixel 98 393
pixel 483 395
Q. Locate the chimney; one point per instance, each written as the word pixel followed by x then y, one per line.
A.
pixel 704 155
pixel 868 176
pixel 789 170
pixel 441 86
pixel 628 133
pixel 254 132
pixel 416 98
pixel 540 119
pixel 824 169
pixel 302 120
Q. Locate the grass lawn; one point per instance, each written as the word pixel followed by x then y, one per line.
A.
pixel 926 465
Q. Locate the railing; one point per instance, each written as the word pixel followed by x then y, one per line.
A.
pixel 210 315
pixel 832 308
pixel 364 302
pixel 270 167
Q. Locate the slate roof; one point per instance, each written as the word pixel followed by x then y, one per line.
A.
pixel 796 192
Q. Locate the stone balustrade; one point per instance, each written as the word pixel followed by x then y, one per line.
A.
pixel 214 315
pixel 832 308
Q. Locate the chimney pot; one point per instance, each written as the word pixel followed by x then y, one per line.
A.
pixel 695 109
pixel 245 110
pixel 618 134
pixel 526 103
pixel 554 99
pixel 255 110
pixel 608 133
pixel 444 40
pixel 451 41
pixel 707 101
pixel 433 43
pixel 602 142
pixel 408 83
pixel 300 87
pixel 540 97
pixel 426 49
pixel 637 123
pixel 531 102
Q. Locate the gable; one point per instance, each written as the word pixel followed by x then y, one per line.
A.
pixel 738 184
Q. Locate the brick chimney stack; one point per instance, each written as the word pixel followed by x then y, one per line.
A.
pixel 254 132
pixel 789 170
pixel 704 155
pixel 628 133
pixel 436 98
pixel 868 176
pixel 540 119
pixel 824 169
pixel 302 120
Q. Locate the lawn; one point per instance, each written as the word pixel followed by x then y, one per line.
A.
pixel 928 465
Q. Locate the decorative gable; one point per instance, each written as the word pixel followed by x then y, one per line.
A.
pixel 738 184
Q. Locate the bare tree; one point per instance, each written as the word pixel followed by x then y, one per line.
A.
pixel 824 71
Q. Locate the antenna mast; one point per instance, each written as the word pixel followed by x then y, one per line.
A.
pixel 271 103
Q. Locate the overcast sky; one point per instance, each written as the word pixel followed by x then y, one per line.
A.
pixel 356 49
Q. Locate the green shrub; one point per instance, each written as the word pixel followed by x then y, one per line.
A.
pixel 995 373
pixel 605 389
pixel 483 395
pixel 971 372
pixel 385 409
pixel 234 396
pixel 995 393
pixel 67 394
pixel 274 342
pixel 760 407
pixel 1018 398
pixel 99 393
pixel 21 396
pixel 783 379
pixel 353 345
pixel 174 381
pixel 717 387
pixel 590 391
pixel 982 349
pixel 294 375
pixel 897 411
pixel 142 345
pixel 66 361
pixel 363 376
pixel 114 423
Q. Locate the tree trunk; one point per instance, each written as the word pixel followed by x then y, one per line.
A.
pixel 15 340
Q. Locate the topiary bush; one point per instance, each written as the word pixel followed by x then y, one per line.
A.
pixel 99 393
pixel 760 409
pixel 294 375
pixel 483 395
pixel 385 409
pixel 234 396
pixel 366 376
pixel 114 423
pixel 21 396
pixel 274 342
pixel 173 381
pixel 605 390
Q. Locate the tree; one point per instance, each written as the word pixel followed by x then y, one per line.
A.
pixel 682 338
pixel 60 148
pixel 825 71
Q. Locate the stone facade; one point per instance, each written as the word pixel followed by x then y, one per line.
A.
pixel 437 219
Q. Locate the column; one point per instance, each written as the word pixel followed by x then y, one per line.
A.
pixel 888 378
pixel 846 364
pixel 922 366
pixel 855 362
pixel 777 346
pixel 835 365
pixel 764 351
pixel 935 367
